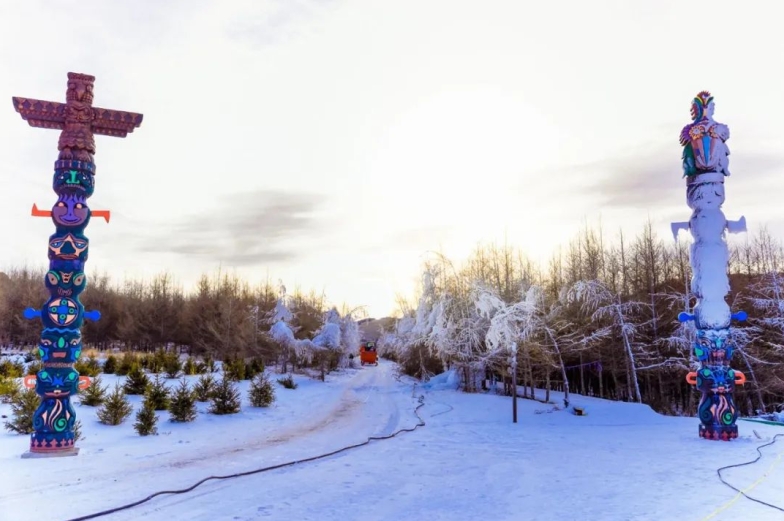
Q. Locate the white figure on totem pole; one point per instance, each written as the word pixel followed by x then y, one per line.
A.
pixel 705 165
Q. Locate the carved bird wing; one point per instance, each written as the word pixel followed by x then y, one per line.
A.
pixel 114 122
pixel 42 114
pixel 685 137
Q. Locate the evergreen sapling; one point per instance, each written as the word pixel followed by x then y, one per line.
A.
pixel 9 389
pixel 116 408
pixel 183 404
pixel 23 406
pixel 189 367
pixel 204 387
pixel 158 394
pixel 225 398
pixel 110 364
pixel 261 393
pixel 137 381
pixel 146 419
pixel 172 365
pixel 93 394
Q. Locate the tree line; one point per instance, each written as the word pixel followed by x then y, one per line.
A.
pixel 223 317
pixel 599 319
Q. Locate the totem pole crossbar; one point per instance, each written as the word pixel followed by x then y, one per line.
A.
pixel 63 314
pixel 705 165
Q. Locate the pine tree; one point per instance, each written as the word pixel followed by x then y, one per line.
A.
pixel 93 394
pixel 288 382
pixel 234 369
pixel 137 381
pixel 183 404
pixel 253 368
pixel 146 419
pixel 257 364
pixel 88 366
pixel 172 365
pixel 110 364
pixel 204 387
pixel 23 407
pixel 116 408
pixel 11 369
pixel 158 394
pixel 261 392
pixel 127 363
pixel 9 389
pixel 78 431
pixel 225 398
pixel 189 367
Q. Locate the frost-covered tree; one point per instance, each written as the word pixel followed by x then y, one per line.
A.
pixel 350 336
pixel 385 345
pixel 283 333
pixel 614 317
pixel 326 344
pixel 412 333
pixel 763 337
pixel 529 322
pixel 457 337
pixel 502 332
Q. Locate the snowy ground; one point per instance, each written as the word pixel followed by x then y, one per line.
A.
pixel 621 462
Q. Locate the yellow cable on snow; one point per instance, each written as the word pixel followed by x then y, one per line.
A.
pixel 742 492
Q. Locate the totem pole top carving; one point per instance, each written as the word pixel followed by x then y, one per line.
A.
pixel 704 140
pixel 77 118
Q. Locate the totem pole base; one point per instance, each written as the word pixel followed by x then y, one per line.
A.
pixel 721 432
pixel 73 451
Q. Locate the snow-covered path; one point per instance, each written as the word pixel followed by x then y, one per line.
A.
pixel 622 462
pixel 116 466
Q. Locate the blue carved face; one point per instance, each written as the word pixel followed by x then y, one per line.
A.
pixel 718 380
pixel 60 345
pixel 68 247
pixel 65 283
pixel 714 346
pixel 67 181
pixel 55 382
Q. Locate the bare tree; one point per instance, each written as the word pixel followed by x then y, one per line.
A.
pixel 614 316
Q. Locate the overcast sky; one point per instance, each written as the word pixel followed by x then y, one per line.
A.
pixel 332 143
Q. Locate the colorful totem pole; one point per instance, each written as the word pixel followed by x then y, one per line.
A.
pixel 62 314
pixel 705 165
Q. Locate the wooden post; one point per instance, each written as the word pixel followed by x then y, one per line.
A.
pixel 514 388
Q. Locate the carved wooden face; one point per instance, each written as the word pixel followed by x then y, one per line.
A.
pixel 71 211
pixel 79 89
pixel 73 182
pixel 69 246
pixel 65 283
pixel 60 345
pixel 714 346
pixel 57 382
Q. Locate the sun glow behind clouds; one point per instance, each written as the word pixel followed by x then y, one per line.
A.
pixel 454 160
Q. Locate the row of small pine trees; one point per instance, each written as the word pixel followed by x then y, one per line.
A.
pixel 161 361
pixel 180 402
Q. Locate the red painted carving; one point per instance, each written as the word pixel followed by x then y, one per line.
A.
pixel 77 118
